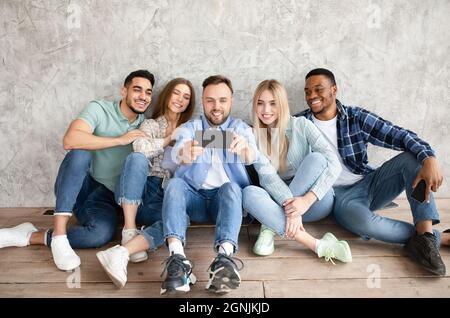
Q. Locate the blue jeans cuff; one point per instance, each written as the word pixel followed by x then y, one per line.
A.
pixel 182 239
pixel 123 200
pixel 150 240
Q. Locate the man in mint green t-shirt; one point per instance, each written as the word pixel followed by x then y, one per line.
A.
pixel 99 140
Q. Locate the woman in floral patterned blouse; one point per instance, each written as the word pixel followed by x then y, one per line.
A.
pixel 142 181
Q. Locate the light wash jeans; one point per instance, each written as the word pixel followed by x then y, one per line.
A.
pixel 355 205
pixel 183 203
pixel 136 187
pixel 259 203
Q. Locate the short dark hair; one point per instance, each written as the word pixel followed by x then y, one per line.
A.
pixel 324 72
pixel 139 73
pixel 217 79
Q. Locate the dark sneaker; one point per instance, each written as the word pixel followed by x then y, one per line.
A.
pixel 422 249
pixel 179 275
pixel 447 231
pixel 224 274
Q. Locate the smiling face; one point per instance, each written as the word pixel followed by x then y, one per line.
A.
pixel 267 109
pixel 180 98
pixel 217 100
pixel 138 94
pixel 320 95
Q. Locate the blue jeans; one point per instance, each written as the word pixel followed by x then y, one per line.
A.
pixel 93 204
pixel 355 204
pixel 136 187
pixel 183 203
pixel 260 204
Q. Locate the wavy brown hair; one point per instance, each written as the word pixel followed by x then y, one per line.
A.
pixel 164 98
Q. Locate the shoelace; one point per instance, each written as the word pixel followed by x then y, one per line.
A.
pixel 173 264
pixel 228 257
pixel 329 255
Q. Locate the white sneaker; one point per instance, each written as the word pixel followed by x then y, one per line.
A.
pixel 330 247
pixel 63 254
pixel 265 244
pixel 18 236
pixel 128 235
pixel 114 261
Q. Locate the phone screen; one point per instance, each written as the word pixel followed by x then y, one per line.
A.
pixel 419 191
pixel 214 138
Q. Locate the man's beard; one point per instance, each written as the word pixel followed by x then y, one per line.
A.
pixel 216 124
pixel 134 110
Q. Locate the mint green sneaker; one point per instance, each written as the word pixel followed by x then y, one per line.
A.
pixel 330 247
pixel 265 244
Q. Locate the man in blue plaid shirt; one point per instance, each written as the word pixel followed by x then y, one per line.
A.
pixel 361 190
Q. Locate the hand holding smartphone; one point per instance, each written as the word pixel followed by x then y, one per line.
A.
pixel 419 191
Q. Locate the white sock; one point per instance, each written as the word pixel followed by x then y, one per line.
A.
pixel 317 246
pixel 176 248
pixel 59 237
pixel 226 248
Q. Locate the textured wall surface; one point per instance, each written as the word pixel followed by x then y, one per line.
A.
pixel 391 57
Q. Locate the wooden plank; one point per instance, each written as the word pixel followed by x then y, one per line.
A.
pixel 286 268
pixel 392 287
pixel 315 268
pixel 248 289
pixel 21 212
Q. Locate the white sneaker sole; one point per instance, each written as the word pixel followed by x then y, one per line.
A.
pixel 67 267
pixel 139 257
pixel 120 283
pixel 182 289
pixel 264 252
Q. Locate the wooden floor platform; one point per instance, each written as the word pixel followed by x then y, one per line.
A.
pixel 377 270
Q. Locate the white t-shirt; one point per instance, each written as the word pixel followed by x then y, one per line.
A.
pixel 216 176
pixel 329 130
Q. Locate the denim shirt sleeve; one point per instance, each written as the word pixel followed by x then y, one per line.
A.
pixel 381 132
pixel 319 144
pixel 183 134
pixel 271 181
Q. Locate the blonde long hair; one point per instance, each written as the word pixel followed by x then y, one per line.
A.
pixel 268 139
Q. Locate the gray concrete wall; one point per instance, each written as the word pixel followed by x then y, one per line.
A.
pixel 391 57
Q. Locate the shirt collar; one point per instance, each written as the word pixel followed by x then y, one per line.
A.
pixel 342 111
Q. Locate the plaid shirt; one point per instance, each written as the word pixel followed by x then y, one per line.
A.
pixel 356 127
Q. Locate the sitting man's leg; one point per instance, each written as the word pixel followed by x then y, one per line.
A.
pixel 226 210
pixel 355 206
pixel 181 202
pixel 97 221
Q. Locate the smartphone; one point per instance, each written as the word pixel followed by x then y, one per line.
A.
pixel 419 191
pixel 214 138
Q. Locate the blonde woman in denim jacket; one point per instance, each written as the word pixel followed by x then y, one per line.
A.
pixel 296 169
